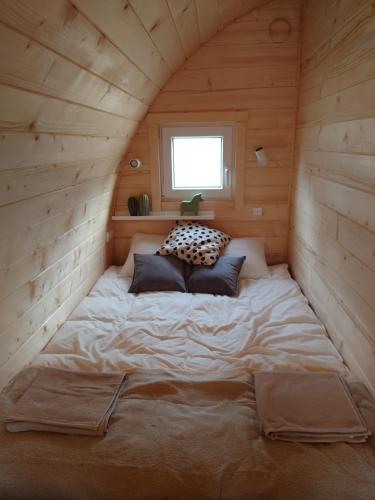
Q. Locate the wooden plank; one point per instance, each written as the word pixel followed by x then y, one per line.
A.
pixel 360 313
pixel 59 26
pixel 20 184
pixel 265 194
pixel 252 33
pixel 241 56
pixel 277 157
pixel 270 213
pixel 20 150
pixel 328 252
pixel 42 233
pixel 240 163
pixel 332 243
pixel 227 12
pixel 356 102
pixel 24 111
pixel 358 241
pixel 336 196
pixel 271 119
pixel 258 98
pixel 118 21
pixel 39 339
pixel 205 205
pixel 357 69
pixel 230 10
pixel 155 163
pixel 353 170
pixel 311 218
pixel 270 137
pixel 139 180
pixel 121 250
pixel 157 20
pixel 184 14
pixel 14 305
pixel 208 14
pixel 262 13
pixel 255 228
pixel 41 208
pixel 197 116
pixel 28 65
pixel 17 274
pixel 350 342
pixel 349 137
pixel 236 78
pixel 263 176
pixel 20 330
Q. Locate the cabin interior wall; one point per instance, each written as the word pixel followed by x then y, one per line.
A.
pixel 76 78
pixel 76 81
pixel 239 69
pixel 66 116
pixel 332 225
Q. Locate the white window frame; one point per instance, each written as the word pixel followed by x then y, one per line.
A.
pixel 225 130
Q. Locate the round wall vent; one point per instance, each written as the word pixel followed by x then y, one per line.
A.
pixel 279 30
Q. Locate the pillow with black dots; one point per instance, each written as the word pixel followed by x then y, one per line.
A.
pixel 193 243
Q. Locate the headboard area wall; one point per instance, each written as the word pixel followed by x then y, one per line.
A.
pixel 251 68
pixel 332 236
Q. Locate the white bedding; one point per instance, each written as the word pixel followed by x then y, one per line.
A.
pixel 269 326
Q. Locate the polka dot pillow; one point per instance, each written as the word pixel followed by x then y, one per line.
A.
pixel 195 244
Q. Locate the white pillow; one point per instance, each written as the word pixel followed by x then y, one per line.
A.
pixel 255 265
pixel 144 244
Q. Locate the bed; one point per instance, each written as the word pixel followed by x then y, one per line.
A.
pixel 268 326
pixel 186 425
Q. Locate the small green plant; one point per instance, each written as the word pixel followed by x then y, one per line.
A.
pixel 144 204
pixel 133 205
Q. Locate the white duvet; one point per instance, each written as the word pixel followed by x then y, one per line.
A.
pixel 268 326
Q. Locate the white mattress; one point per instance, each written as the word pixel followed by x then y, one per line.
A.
pixel 268 326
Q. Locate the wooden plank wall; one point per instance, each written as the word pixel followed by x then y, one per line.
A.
pixel 76 78
pixel 332 233
pixel 240 68
pixel 66 115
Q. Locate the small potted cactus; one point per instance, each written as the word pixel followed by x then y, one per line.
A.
pixel 144 204
pixel 133 205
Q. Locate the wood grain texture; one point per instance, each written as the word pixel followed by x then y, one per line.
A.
pixel 64 125
pixel 332 225
pixel 76 79
pixel 232 73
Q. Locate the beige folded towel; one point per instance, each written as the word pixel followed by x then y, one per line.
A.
pixel 308 407
pixel 65 401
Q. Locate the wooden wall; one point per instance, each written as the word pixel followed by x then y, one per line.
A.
pixel 76 78
pixel 240 68
pixel 65 120
pixel 332 233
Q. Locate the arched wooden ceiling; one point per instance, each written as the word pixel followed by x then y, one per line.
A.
pixel 155 37
pixel 132 46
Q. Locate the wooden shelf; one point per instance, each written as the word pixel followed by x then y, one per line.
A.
pixel 209 215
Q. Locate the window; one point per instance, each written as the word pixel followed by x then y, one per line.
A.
pixel 197 158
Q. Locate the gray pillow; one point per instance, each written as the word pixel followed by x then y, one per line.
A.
pixel 222 278
pixel 156 273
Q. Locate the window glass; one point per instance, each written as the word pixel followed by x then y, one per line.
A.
pixel 197 159
pixel 197 162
